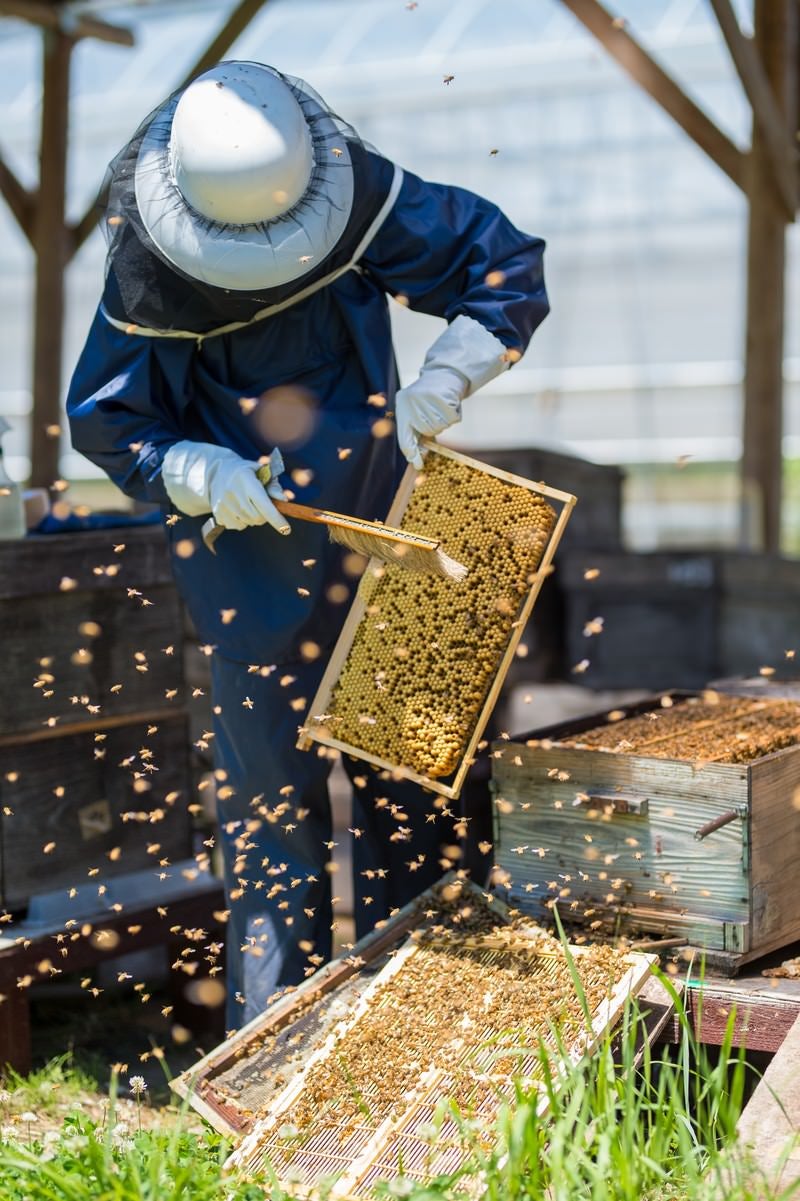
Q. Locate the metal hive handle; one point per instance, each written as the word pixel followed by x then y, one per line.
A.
pixel 717 823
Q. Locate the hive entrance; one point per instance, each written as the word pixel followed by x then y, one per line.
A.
pixel 462 1008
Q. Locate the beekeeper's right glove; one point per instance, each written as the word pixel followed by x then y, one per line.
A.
pixel 461 360
pixel 201 478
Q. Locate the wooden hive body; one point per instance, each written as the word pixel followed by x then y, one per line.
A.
pixel 72 774
pixel 612 837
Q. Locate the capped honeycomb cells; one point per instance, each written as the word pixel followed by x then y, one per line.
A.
pixel 427 649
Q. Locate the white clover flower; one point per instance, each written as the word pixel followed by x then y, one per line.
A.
pixel 50 1145
pixel 401 1186
pixel 138 1085
pixel 27 1116
pixel 75 1143
pixel 5 1096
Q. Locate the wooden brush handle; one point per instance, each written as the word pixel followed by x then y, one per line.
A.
pixel 387 533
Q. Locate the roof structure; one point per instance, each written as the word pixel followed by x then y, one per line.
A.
pixel 630 207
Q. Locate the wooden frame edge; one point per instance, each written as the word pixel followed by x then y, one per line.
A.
pixel 452 791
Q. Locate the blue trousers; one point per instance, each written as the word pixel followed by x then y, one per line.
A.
pixel 275 828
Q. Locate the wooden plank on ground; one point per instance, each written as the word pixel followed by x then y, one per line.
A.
pixel 771 1119
pixel 763 1015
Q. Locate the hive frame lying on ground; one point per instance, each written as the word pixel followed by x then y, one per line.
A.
pixel 200 1083
pixel 319 733
pixel 365 1167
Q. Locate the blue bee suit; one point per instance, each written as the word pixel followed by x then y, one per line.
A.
pixel 133 396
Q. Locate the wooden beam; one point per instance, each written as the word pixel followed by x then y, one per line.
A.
pixel 778 45
pixel 80 230
pixel 236 23
pixel 780 145
pixel 75 25
pixel 50 245
pixel 610 31
pixel 21 202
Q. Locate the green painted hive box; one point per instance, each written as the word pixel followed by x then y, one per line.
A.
pixel 629 839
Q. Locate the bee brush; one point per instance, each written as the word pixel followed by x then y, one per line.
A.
pixel 413 552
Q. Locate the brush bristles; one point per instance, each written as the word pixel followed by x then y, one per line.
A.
pixel 449 568
pixel 410 558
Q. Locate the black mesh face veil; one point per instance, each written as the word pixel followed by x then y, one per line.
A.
pixel 149 285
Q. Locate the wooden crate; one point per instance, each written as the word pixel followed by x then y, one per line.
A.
pixel 174 909
pixel 319 727
pixel 679 618
pixel 617 839
pixel 64 811
pixel 90 682
pixel 66 613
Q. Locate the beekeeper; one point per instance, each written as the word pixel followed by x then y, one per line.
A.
pixel 253 241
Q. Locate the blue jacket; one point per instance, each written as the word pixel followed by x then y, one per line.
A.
pixel 133 396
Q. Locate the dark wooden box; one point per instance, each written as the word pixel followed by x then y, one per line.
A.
pixel 69 628
pixel 679 618
pixel 92 702
pixel 613 838
pixel 78 804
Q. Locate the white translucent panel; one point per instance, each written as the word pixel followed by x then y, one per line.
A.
pixel 645 259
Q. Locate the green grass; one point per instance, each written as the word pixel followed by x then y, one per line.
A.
pixel 111 1163
pixel 615 1129
pixel 49 1088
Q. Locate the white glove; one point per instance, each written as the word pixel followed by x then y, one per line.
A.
pixel 427 407
pixel 464 358
pixel 202 478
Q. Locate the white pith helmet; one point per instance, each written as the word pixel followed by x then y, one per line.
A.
pixel 242 181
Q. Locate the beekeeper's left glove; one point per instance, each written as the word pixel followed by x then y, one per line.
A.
pixel 463 359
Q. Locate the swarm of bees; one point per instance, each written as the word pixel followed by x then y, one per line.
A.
pixel 427 649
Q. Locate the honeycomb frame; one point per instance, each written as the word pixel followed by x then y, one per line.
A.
pixel 315 730
pixel 359 1155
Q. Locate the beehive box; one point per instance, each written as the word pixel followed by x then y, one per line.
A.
pixel 342 1076
pixel 624 825
pixel 64 600
pixel 678 618
pixel 420 660
pixel 92 719
pixel 92 801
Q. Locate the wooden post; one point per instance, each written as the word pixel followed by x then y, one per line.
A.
pixel 50 243
pixel 777 42
pixel 612 33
